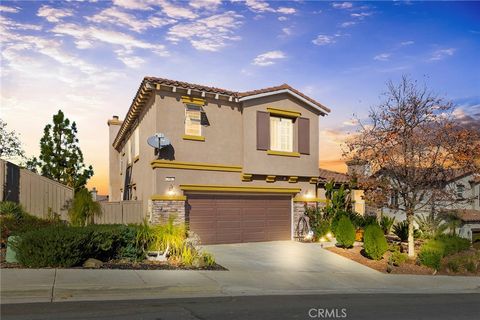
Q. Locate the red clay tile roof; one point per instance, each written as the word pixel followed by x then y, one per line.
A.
pixel 469 215
pixel 236 94
pixel 328 175
pixel 188 85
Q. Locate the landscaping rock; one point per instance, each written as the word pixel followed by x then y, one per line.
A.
pixel 93 263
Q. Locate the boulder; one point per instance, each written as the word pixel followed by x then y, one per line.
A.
pixel 92 263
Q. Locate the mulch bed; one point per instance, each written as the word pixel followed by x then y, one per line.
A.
pixel 409 267
pixel 121 265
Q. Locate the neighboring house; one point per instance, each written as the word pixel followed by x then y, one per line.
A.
pixel 461 194
pixel 240 166
pixel 38 195
pixel 326 176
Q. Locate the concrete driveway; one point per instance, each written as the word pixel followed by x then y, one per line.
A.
pixel 284 256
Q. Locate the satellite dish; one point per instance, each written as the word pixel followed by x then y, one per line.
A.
pixel 158 141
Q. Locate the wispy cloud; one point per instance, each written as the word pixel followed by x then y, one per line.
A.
pixel 53 14
pixel 382 57
pixel 205 4
pixel 261 6
pixel 115 16
pixel 176 11
pixel 133 4
pixel 347 24
pixel 9 9
pixel 208 34
pixel 285 10
pixel 323 40
pixel 442 54
pixel 407 43
pixel 361 15
pixel 342 5
pixel 268 58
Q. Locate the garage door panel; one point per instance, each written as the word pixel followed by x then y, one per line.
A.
pixel 239 218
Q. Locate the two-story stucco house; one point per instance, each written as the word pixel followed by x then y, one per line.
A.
pixel 239 167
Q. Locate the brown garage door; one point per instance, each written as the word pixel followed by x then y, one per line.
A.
pixel 233 219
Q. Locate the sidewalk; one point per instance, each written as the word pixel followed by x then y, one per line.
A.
pixel 53 285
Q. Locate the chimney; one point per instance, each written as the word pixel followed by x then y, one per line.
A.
pixel 94 193
pixel 114 178
pixel 357 167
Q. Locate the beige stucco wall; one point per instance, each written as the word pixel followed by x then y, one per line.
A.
pixel 230 139
pixel 258 161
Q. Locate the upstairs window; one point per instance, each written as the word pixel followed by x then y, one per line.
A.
pixel 193 120
pixel 281 134
pixel 460 191
pixel 136 144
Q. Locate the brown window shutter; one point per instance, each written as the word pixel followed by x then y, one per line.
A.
pixel 304 135
pixel 263 130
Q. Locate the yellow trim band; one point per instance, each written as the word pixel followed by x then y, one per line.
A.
pixel 246 177
pixel 238 189
pixel 284 113
pixel 136 159
pixel 194 166
pixel 270 179
pixel 292 179
pixel 192 100
pixel 313 180
pixel 195 138
pixel 283 153
pixel 168 198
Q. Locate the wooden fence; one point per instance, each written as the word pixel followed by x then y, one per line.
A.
pixel 38 195
pixel 121 212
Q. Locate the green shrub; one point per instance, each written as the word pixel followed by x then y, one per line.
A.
pixel 470 266
pixel 63 246
pixel 386 223
pixel 397 258
pixel 401 230
pixel 374 242
pixel 345 233
pixel 431 254
pixel 208 259
pixel 453 265
pixel 83 208
pixel 11 226
pixel 12 209
pixel 453 244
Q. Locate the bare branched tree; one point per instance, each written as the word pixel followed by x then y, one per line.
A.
pixel 413 140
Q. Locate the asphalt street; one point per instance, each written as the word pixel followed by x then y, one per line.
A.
pixel 358 306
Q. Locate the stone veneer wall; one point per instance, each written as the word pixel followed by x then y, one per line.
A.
pixel 299 209
pixel 162 209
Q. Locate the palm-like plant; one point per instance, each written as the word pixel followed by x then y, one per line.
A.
pixel 83 209
pixel 452 220
pixel 431 225
pixel 386 223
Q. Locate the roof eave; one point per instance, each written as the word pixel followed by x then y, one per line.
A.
pixel 322 109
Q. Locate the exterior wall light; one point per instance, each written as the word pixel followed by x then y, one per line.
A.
pixel 171 190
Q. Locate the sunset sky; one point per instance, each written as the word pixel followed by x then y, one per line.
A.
pixel 88 58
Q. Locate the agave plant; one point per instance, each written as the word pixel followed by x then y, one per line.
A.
pixel 386 223
pixel 401 230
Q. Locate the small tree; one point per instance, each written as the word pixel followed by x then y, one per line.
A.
pixel 10 145
pixel 345 232
pixel 374 242
pixel 60 156
pixel 414 141
pixel 83 209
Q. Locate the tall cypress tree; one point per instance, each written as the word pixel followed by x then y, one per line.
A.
pixel 60 156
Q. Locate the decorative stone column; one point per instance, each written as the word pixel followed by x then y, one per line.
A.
pixel 165 206
pixel 299 209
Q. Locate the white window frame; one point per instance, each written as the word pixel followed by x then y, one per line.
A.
pixel 129 151
pixel 276 135
pixel 193 106
pixel 136 144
